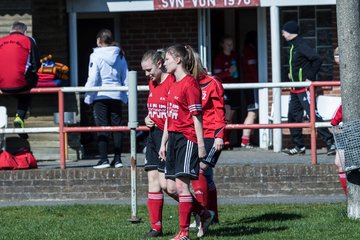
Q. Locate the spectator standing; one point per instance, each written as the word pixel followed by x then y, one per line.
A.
pixel 19 63
pixel 159 84
pixel 304 63
pixel 337 119
pixel 183 136
pixel 250 67
pixel 227 69
pixel 107 67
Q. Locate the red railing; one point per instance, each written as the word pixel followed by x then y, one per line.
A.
pixel 63 130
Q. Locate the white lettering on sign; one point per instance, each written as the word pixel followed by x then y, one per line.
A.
pixel 204 3
pixel 173 3
pixel 190 4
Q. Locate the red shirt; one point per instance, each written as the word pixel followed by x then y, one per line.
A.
pixel 184 101
pixel 222 63
pixel 250 65
pixel 157 99
pixel 213 107
pixel 14 55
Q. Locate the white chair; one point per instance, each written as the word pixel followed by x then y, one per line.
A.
pixel 284 109
pixel 327 105
pixel 3 124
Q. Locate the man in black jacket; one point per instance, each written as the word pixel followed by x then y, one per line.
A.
pixel 304 63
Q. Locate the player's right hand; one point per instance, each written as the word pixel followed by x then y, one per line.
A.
pixel 149 122
pixel 162 153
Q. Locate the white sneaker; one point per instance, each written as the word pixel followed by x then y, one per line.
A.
pixel 204 225
pixel 102 164
pixel 196 223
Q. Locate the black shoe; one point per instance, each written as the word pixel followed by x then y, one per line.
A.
pixel 331 150
pixel 103 163
pixel 153 234
pixel 117 163
pixel 295 151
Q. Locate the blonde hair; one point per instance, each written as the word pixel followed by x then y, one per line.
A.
pixel 191 62
pixel 155 56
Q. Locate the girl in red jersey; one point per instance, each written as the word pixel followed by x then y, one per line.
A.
pixel 214 125
pixel 183 135
pixel 153 65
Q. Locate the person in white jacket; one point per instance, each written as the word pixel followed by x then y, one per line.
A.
pixel 107 67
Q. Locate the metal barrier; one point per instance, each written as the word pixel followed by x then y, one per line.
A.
pixel 62 129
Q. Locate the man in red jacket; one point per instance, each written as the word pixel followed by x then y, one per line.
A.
pixel 19 62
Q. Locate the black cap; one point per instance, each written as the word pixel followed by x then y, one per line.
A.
pixel 291 27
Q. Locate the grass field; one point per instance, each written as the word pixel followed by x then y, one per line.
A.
pixel 298 221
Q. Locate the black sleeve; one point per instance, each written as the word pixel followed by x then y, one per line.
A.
pixel 34 56
pixel 315 61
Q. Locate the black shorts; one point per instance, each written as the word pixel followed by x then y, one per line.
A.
pixel 152 160
pixel 182 158
pixel 232 97
pixel 252 100
pixel 212 154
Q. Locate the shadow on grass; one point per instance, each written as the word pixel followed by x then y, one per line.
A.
pixel 273 216
pixel 233 229
pixel 236 230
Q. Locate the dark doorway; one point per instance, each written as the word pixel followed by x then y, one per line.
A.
pixel 87 30
pixel 234 23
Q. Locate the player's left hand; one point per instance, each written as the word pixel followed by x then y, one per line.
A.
pixel 219 144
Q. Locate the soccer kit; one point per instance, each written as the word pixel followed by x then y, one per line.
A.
pixel 184 102
pixel 213 116
pixel 214 125
pixel 156 105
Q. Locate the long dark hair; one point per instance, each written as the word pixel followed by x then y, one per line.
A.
pixel 106 37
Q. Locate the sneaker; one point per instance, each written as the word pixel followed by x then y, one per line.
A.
pixel 19 123
pixel 182 235
pixel 196 223
pixel 204 224
pixel 103 163
pixel 153 234
pixel 116 163
pixel 294 151
pixel 331 150
pixel 247 146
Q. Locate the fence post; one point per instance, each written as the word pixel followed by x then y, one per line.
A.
pixel 312 125
pixel 61 129
pixel 133 124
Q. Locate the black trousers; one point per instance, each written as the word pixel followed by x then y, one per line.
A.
pixel 108 112
pixel 298 103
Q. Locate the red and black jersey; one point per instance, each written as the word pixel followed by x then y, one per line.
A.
pixel 213 107
pixel 157 100
pixel 184 101
pixel 222 64
pixel 250 65
pixel 19 62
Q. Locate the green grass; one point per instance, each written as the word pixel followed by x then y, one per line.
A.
pixel 75 222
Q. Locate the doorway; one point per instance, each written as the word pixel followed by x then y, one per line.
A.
pixel 234 23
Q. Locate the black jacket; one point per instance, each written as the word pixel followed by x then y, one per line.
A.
pixel 304 62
